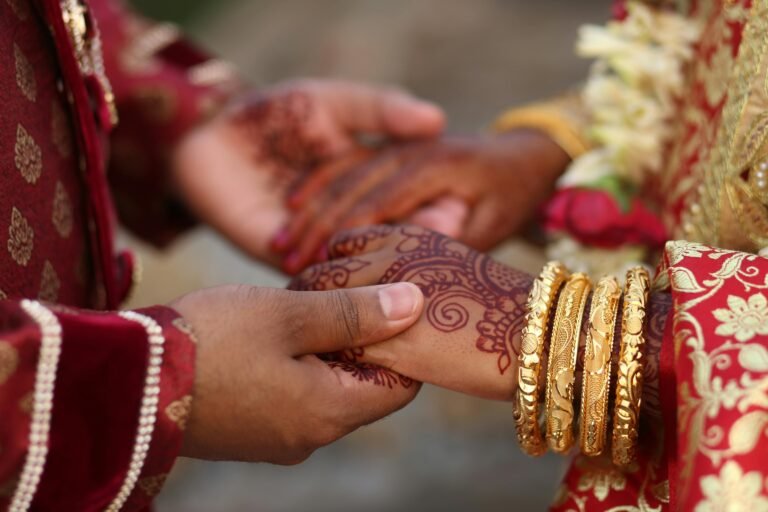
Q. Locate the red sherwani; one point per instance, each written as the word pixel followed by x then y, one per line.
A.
pixel 93 403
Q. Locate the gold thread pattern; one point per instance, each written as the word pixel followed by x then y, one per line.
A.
pixel 28 156
pixel 49 284
pixel 25 74
pixel 629 375
pixel 62 211
pixel 21 238
pixel 596 383
pixel 179 410
pixel 540 304
pixel 60 130
pixel 9 361
pixel 563 353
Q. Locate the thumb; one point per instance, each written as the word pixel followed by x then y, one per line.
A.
pixel 390 112
pixel 343 319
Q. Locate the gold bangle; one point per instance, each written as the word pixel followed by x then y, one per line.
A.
pixel 526 410
pixel 563 352
pixel 595 388
pixel 563 119
pixel 629 376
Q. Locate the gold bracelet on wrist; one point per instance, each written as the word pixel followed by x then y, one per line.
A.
pixel 563 119
pixel 563 352
pixel 595 389
pixel 629 376
pixel 540 302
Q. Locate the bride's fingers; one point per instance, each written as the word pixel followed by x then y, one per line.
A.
pixel 447 215
pixel 311 229
pixel 352 272
pixel 316 181
pixel 360 241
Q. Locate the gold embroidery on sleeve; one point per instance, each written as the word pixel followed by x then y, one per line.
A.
pixel 49 284
pixel 60 132
pixel 732 489
pixel 178 411
pixel 26 402
pixel 62 211
pixel 9 361
pixel 21 238
pixel 152 485
pixel 28 157
pixel 20 8
pixel 3 295
pixel 25 74
pixel 184 327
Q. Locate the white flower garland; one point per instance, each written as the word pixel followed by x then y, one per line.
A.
pixel 631 90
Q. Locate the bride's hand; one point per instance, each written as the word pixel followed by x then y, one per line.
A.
pixel 469 335
pixel 235 170
pixel 498 182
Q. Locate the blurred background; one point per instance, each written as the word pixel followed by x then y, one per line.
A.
pixel 445 452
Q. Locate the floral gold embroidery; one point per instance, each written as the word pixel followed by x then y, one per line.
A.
pixel 62 211
pixel 744 319
pixel 20 8
pixel 733 489
pixel 600 475
pixel 21 238
pixel 184 327
pixel 26 402
pixel 60 130
pixel 25 74
pixel 28 157
pixel 158 103
pixel 152 485
pixel 49 283
pixel 179 410
pixel 9 361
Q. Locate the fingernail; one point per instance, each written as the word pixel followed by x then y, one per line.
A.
pixel 399 301
pixel 322 255
pixel 291 262
pixel 280 239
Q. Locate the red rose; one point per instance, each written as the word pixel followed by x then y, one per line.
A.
pixel 593 217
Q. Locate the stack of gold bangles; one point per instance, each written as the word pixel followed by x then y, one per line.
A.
pixel 556 306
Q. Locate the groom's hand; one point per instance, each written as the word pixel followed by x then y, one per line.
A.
pixel 468 338
pixel 235 170
pixel 260 392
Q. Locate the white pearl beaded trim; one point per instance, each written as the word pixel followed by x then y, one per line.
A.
pixel 42 404
pixel 148 411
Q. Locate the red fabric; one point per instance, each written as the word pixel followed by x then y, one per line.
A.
pixel 720 334
pixel 57 244
pixel 158 103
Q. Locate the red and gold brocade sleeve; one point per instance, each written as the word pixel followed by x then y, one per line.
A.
pixel 93 405
pixel 163 87
pixel 713 380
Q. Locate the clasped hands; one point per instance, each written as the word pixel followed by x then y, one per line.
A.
pixel 278 172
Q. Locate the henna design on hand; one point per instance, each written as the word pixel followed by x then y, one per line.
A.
pixel 275 126
pixel 658 313
pixel 453 278
pixel 376 375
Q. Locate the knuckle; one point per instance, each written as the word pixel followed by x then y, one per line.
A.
pixel 347 316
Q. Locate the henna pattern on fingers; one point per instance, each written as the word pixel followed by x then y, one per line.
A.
pixel 376 375
pixel 457 283
pixel 276 129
